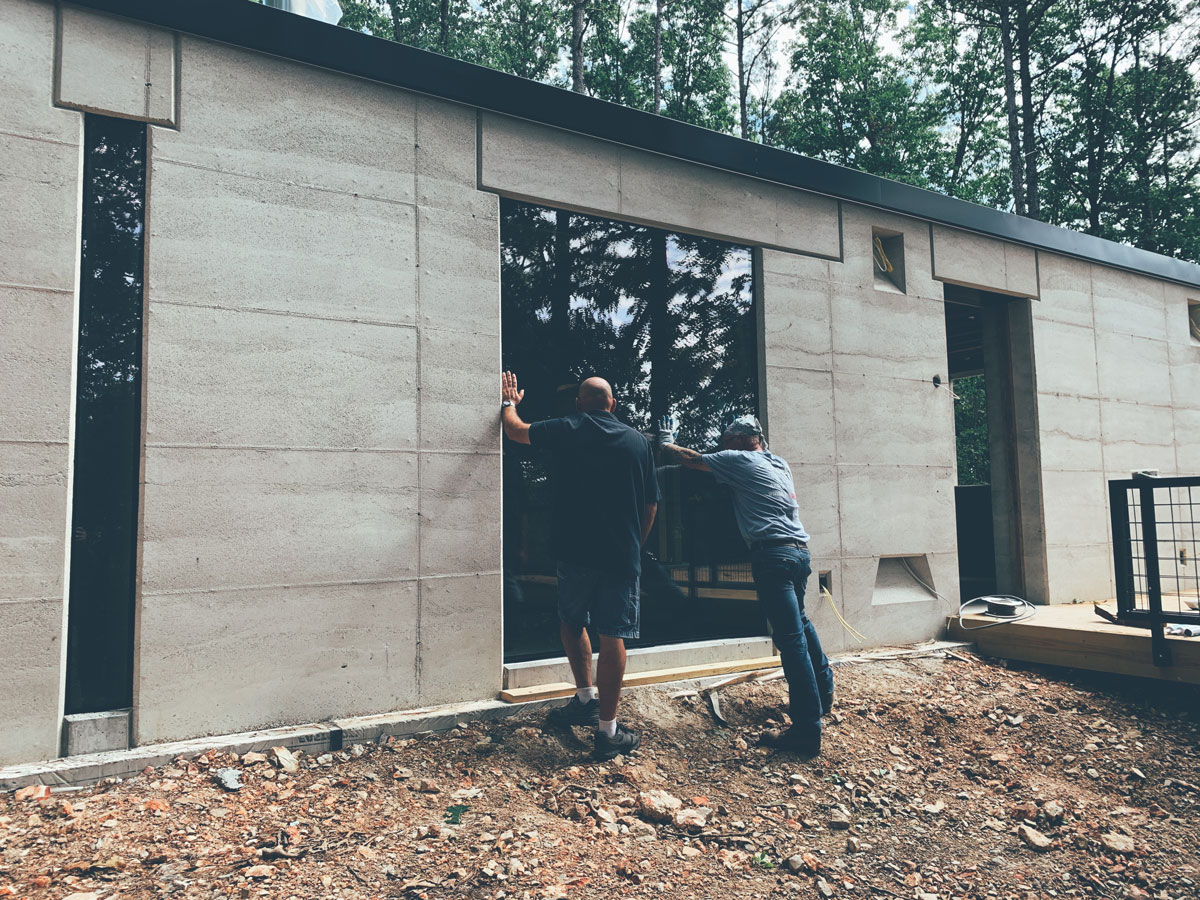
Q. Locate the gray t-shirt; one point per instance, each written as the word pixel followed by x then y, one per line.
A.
pixel 764 497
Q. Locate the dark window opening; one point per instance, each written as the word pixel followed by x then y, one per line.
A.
pixel 107 448
pixel 669 320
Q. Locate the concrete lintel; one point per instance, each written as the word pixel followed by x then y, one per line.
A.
pixel 96 732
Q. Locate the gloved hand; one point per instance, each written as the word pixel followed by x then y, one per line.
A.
pixel 667 431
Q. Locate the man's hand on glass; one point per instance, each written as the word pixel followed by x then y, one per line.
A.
pixel 508 389
pixel 667 431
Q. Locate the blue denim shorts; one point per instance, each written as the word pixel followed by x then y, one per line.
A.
pixel 608 602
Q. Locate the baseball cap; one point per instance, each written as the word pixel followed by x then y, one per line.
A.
pixel 747 425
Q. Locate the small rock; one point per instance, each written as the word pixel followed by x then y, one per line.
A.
pixel 229 779
pixel 1034 838
pixel 426 786
pixel 32 792
pixel 286 760
pixel 839 820
pixel 1117 843
pixel 658 806
pixel 824 888
pixel 403 773
pixel 357 750
pixel 263 871
pixel 1137 773
pixel 853 845
pixel 253 758
pixel 85 895
pixel 325 759
pixel 1053 811
pixel 692 819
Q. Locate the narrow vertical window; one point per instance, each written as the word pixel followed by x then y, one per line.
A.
pixel 107 448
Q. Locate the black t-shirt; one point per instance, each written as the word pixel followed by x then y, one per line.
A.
pixel 602 474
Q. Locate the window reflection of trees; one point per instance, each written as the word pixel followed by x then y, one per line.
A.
pixel 108 417
pixel 669 320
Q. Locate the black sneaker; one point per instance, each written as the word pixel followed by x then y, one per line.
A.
pixel 624 741
pixel 575 713
pixel 804 744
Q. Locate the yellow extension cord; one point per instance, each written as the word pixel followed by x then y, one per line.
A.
pixel 881 260
pixel 850 628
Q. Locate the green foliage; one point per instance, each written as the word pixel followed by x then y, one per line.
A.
pixel 971 430
pixel 454 813
pixel 761 861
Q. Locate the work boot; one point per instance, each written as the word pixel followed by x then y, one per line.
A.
pixel 805 744
pixel 826 703
pixel 575 713
pixel 624 741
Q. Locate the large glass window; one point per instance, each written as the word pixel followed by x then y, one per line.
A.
pixel 669 319
pixel 108 431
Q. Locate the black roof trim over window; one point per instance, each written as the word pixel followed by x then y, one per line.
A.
pixel 294 37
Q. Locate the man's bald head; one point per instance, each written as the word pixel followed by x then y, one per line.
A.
pixel 595 395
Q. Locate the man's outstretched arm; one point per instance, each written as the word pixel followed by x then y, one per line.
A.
pixel 668 430
pixel 514 428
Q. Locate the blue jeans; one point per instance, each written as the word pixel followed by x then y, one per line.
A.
pixel 780 574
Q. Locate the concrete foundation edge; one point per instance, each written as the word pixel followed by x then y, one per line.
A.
pixel 323 737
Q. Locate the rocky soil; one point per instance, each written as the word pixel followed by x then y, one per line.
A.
pixel 942 777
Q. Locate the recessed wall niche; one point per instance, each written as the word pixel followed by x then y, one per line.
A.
pixel 887 257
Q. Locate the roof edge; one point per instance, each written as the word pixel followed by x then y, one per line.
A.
pixel 294 37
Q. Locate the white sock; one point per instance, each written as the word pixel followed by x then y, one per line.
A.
pixel 608 727
pixel 588 693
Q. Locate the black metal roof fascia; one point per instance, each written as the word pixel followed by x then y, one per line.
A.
pixel 294 37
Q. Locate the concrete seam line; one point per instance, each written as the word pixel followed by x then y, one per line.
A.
pixel 328 736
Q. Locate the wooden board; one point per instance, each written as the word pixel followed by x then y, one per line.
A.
pixel 1074 636
pixel 653 676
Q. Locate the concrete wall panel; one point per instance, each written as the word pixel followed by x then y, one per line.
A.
pixel 879 333
pixel 236 518
pixel 33 498
pixel 1137 437
pixel 1184 362
pixel 27 35
pixel 1066 359
pixel 1128 304
pixel 460 269
pixel 1187 442
pixel 896 510
pixel 35 364
pixel 1021 271
pixel 539 163
pixel 460 409
pixel 29 671
pixel 1080 573
pixel 39 184
pixel 254 115
pixel 817 495
pixel 1070 433
pixel 281 247
pixel 892 421
pixel 897 623
pixel 460 509
pixel 1066 290
pixel 796 314
pixel 116 66
pixel 219 662
pixel 1076 509
pixel 817 608
pixel 460 646
pixel 239 378
pixel 446 160
pixel 1133 369
pixel 800 415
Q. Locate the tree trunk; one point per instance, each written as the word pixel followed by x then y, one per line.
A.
pixel 1010 102
pixel 1028 134
pixel 560 299
pixel 658 13
pixel 660 326
pixel 743 87
pixel 444 23
pixel 577 46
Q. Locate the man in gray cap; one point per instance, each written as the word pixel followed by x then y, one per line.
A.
pixel 764 504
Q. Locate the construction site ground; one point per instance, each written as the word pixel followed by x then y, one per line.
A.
pixel 943 776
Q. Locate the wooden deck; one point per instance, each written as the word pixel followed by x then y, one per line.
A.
pixel 1073 635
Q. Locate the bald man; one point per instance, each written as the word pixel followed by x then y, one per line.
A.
pixel 605 498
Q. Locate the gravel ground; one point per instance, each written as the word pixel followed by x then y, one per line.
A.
pixel 942 777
